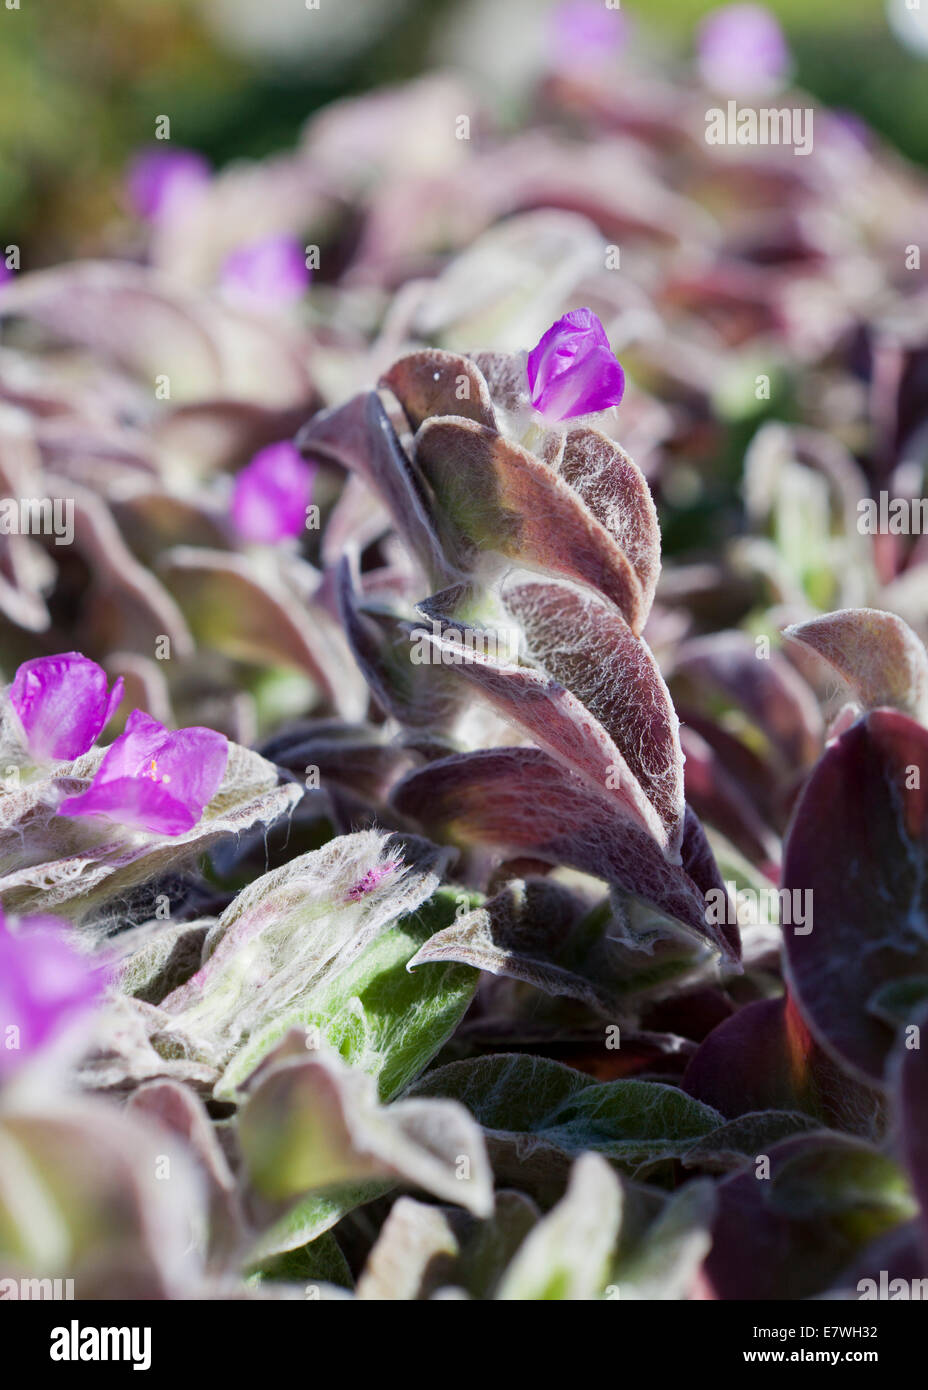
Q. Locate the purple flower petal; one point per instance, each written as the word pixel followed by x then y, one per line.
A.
pixel 265 274
pixel 271 495
pixel 160 180
pixel 45 986
pixel 573 371
pixel 62 703
pixel 155 780
pixel 585 31
pixel 742 51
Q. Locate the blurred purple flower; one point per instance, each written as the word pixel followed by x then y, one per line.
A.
pixel 271 495
pixel 62 703
pixel 5 273
pixel 160 180
pixel 585 31
pixel 573 370
pixel 153 779
pixel 45 985
pixel 265 274
pixel 742 51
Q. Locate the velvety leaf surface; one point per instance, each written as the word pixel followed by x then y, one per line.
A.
pixel 433 382
pixel 536 1112
pixel 623 688
pixel 494 495
pixel 521 801
pixel 327 953
pixel 314 1123
pixel 875 653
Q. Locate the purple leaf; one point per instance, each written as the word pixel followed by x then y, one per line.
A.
pixel 770 692
pixel 494 495
pixel 520 800
pixel 859 844
pixel 911 1080
pixel 588 647
pixel 765 1058
pixel 875 653
pixel 360 437
pixel 615 490
pixel 431 383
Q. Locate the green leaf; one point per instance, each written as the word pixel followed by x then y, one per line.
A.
pixel 323 945
pixel 567 1254
pixel 538 1114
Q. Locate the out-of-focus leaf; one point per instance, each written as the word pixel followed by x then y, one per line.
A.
pixel 818 1199
pixel 181 1112
pixel 665 1262
pixel 250 617
pixel 312 1123
pixel 567 1254
pixel 82 1190
pixel 413 1255
pixel 875 653
pixel 360 437
pixel 771 693
pixel 156 330
pixel 909 1078
pixel 859 844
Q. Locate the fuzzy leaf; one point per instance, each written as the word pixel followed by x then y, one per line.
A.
pixel 875 653
pixel 495 495
pixel 319 945
pixel 538 1113
pixel 518 800
pixel 312 1123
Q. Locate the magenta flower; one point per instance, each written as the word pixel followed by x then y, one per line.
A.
pixel 45 986
pixel 62 704
pixel 265 274
pixel 573 370
pixel 585 32
pixel 271 495
pixel 742 51
pixel 161 179
pixel 152 779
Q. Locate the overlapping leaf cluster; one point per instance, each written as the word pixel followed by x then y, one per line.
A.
pixel 431 1004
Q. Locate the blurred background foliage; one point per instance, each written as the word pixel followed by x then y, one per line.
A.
pixel 81 83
